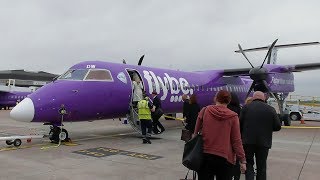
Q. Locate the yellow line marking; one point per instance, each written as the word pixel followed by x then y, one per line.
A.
pixel 180 119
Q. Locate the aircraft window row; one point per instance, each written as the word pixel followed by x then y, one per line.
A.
pixel 204 88
pixel 13 97
pixel 99 74
pixel 228 88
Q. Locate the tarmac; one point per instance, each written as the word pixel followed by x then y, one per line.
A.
pixel 108 149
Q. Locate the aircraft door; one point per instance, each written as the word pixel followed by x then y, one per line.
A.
pixel 137 90
pixel 136 86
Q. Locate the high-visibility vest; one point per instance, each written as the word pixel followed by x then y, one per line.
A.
pixel 144 110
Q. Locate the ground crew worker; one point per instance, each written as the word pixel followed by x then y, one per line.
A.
pixel 144 112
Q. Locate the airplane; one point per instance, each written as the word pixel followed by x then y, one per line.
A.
pixel 11 99
pixel 11 95
pixel 94 90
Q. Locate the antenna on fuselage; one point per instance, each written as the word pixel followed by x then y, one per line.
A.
pixel 272 59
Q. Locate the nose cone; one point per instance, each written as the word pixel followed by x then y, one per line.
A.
pixel 24 111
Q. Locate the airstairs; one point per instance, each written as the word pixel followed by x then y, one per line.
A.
pixel 133 119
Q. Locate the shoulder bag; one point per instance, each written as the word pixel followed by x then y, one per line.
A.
pixel 193 152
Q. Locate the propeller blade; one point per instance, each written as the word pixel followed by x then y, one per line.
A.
pixel 268 88
pixel 124 61
pixel 250 89
pixel 140 60
pixel 269 58
pixel 269 52
pixel 244 55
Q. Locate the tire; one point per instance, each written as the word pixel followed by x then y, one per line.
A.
pixel 63 135
pixel 17 142
pixel 55 135
pixel 295 116
pixel 9 142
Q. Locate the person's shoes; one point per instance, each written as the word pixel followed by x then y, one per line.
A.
pixel 161 131
pixel 148 141
pixel 144 141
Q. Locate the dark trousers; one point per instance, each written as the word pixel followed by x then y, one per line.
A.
pixel 145 124
pixel 261 154
pixel 236 171
pixel 215 166
pixel 156 123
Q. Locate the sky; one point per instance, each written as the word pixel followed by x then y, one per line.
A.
pixel 183 34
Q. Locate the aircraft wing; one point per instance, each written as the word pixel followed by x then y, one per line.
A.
pixel 284 68
pixel 236 72
pixel 303 67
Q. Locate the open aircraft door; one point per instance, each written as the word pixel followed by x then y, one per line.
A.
pixel 132 117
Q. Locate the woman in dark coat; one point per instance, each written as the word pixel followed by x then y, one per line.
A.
pixel 234 106
pixel 192 113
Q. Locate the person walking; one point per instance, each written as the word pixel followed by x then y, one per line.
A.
pixel 155 115
pixel 137 91
pixel 185 100
pixel 258 121
pixel 222 142
pixel 144 112
pixel 192 113
pixel 235 106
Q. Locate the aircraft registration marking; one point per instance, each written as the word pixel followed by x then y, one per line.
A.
pixel 103 152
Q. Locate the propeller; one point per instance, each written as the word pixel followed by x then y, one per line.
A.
pixel 269 52
pixel 259 74
pixel 244 55
pixel 140 60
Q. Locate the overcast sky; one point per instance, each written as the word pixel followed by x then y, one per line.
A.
pixel 186 35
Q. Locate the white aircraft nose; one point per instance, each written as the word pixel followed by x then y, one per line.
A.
pixel 24 111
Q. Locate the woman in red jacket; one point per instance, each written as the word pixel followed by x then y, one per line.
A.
pixel 222 141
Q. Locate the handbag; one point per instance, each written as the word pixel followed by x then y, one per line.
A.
pixel 193 152
pixel 185 135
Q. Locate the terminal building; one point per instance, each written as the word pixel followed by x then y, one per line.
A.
pixel 22 78
pixel 15 85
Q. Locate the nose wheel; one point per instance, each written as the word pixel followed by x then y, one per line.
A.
pixel 56 134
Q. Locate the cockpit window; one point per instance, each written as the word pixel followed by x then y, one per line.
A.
pixel 74 74
pixel 99 74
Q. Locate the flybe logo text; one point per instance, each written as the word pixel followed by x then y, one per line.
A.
pixel 167 84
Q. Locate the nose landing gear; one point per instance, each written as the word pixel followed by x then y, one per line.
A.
pixel 57 134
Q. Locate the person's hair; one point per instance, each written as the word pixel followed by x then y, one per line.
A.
pixel 223 97
pixel 184 97
pixel 193 99
pixel 248 100
pixel 234 100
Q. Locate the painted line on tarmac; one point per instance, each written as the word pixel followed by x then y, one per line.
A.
pixel 301 127
pixel 175 118
pixel 46 144
pixel 10 148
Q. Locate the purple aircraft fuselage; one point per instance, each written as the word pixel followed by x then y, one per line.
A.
pixel 11 99
pixel 94 90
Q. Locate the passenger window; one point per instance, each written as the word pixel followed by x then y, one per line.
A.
pixel 99 74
